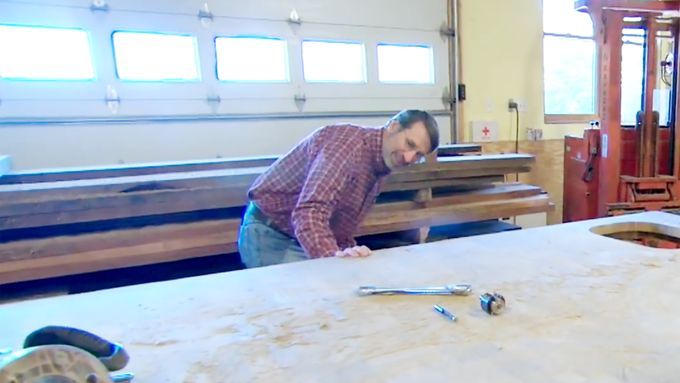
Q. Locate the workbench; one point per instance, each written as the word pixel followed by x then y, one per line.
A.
pixel 581 308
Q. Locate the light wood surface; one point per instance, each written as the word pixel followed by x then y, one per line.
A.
pixel 581 308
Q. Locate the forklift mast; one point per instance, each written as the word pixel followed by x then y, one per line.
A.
pixel 618 166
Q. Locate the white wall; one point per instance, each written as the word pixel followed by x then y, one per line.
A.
pixel 36 146
pixel 50 124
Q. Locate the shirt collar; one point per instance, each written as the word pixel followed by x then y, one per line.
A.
pixel 375 143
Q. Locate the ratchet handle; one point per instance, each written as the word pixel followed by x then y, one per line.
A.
pixel 445 290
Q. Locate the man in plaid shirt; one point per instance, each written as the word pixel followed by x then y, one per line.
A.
pixel 309 203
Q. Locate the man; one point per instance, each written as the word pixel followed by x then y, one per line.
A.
pixel 309 203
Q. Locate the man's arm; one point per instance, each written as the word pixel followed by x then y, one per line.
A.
pixel 327 176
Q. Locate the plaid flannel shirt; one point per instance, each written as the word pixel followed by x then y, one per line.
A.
pixel 320 191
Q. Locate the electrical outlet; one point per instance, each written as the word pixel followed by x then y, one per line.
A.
pixel 521 106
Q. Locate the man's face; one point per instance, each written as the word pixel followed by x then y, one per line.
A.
pixel 405 147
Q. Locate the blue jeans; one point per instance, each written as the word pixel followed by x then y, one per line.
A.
pixel 259 244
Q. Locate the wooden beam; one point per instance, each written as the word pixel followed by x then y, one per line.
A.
pixel 43 258
pixel 453 182
pixel 133 184
pixel 126 170
pixel 149 168
pixel 446 174
pixel 21 215
pixel 465 163
pixel 449 167
pixel 450 214
pixel 493 192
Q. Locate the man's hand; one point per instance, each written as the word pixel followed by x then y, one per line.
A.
pixel 356 251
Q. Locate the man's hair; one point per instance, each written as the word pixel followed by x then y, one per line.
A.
pixel 407 117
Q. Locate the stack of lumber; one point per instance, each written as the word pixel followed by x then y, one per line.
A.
pixel 67 221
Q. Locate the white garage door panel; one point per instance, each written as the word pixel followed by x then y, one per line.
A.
pixel 35 146
pixel 50 90
pixel 357 90
pixel 429 14
pixel 178 107
pixel 75 127
pixel 140 108
pixel 33 13
pixel 209 86
pixel 422 14
pixel 41 109
pixel 372 104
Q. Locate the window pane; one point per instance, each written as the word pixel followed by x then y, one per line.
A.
pixel 155 57
pixel 405 64
pixel 559 16
pixel 38 53
pixel 662 93
pixel 568 70
pixel 251 59
pixel 333 61
pixel 632 64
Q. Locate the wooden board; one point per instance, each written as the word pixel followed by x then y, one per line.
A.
pixel 451 182
pixel 449 214
pixel 581 307
pixel 445 174
pixel 132 184
pixel 150 168
pixel 493 192
pixel 125 170
pixel 21 215
pixel 42 258
pixel 547 172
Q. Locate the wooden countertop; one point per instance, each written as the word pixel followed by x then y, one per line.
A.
pixel 581 308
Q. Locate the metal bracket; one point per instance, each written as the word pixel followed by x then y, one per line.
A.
pixel 99 6
pixel 447 31
pixel 294 18
pixel 447 98
pixel 300 97
pixel 213 99
pixel 112 99
pixel 204 15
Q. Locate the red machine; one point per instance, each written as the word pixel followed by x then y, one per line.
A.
pixel 617 168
